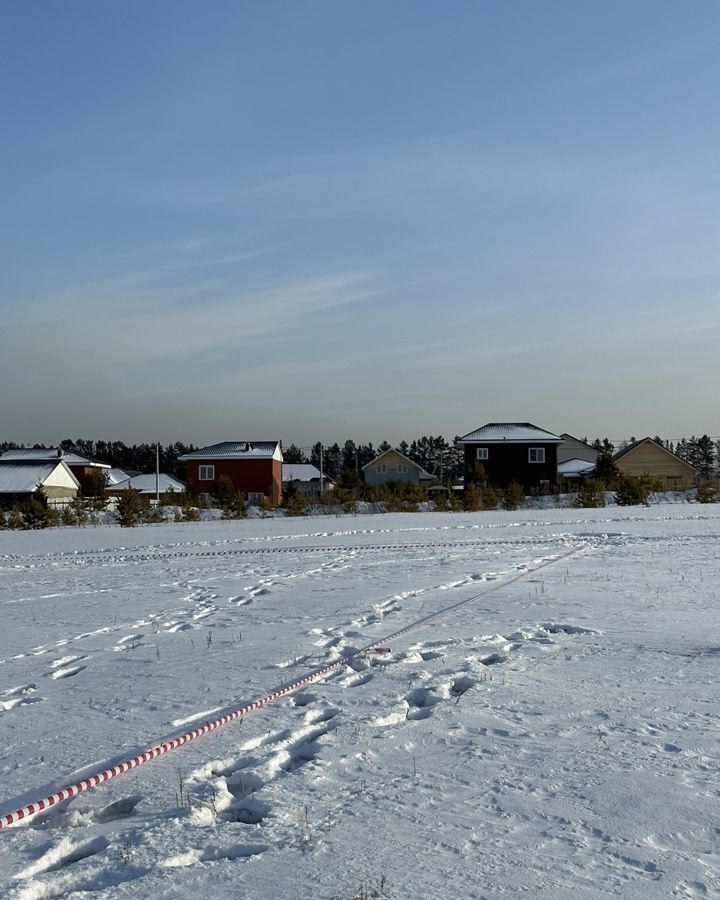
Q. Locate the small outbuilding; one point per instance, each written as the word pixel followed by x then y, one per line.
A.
pixel 305 479
pixel 148 485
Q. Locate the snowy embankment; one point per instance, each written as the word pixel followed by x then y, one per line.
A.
pixel 556 736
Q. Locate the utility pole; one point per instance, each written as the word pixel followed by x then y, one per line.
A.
pixel 157 473
pixel 322 477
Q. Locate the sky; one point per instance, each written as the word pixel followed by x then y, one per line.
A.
pixel 313 221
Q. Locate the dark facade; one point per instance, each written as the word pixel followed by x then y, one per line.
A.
pixel 506 463
pixel 500 453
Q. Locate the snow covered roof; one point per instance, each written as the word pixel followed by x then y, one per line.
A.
pixel 115 476
pixel 237 450
pixel 27 454
pixel 301 472
pixel 510 433
pixel 24 477
pixel 146 484
pixel 575 467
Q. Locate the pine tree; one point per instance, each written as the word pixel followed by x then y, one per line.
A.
pixel 129 508
pixel 701 454
pixel 606 470
pixel 294 455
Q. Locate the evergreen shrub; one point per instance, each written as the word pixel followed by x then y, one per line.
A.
pixel 513 496
pixel 709 492
pixel 591 494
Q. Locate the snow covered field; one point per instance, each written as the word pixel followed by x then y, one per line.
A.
pixel 557 737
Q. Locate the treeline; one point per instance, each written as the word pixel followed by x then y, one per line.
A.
pixel 435 454
pixel 131 458
pixel 702 452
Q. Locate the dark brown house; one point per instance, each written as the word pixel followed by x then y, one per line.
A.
pixel 502 452
pixel 254 467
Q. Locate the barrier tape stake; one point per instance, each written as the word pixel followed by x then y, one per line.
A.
pixel 31 809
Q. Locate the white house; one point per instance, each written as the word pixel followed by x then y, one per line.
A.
pixel 19 480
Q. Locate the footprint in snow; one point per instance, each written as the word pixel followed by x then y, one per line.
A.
pixel 68 672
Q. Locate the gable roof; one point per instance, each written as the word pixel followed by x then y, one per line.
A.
pixel 237 450
pixel 648 440
pixel 509 433
pixel 24 477
pixel 37 454
pixel 423 473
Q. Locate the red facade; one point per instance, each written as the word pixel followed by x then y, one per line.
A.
pixel 249 476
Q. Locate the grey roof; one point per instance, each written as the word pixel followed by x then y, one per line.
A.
pixel 27 454
pixel 24 477
pixel 146 484
pixel 234 450
pixel 301 472
pixel 510 433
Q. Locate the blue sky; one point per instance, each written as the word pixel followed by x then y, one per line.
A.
pixel 319 220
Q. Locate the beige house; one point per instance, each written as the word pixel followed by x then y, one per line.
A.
pixel 394 466
pixel 647 457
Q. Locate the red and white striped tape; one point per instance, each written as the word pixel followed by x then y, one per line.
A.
pixel 38 806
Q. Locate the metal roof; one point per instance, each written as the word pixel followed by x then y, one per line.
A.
pixel 24 477
pixel 575 467
pixel 146 484
pixel 510 433
pixel 235 450
pixel 37 454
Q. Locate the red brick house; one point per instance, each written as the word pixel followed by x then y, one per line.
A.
pixel 254 467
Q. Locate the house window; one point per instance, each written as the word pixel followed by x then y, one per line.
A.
pixel 255 499
pixel 481 453
pixel 206 473
pixel 402 467
pixel 536 454
pixel 382 468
